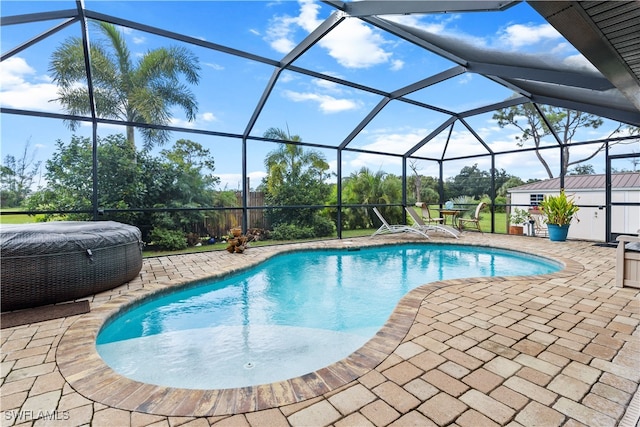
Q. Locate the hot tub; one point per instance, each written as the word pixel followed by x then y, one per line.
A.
pixel 51 262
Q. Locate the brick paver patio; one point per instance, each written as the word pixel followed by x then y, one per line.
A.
pixel 554 350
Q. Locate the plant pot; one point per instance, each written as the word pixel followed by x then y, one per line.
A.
pixel 558 233
pixel 518 230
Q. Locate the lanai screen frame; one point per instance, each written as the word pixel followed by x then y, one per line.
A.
pixel 363 11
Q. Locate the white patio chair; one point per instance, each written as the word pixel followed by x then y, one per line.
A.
pixel 387 228
pixel 419 224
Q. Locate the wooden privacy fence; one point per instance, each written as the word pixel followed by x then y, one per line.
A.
pixel 218 223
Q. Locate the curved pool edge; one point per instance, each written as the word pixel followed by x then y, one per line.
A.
pixel 82 367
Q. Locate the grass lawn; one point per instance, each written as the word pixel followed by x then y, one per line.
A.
pixel 16 218
pixel 485 221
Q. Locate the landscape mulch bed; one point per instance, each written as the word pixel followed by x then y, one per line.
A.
pixel 41 314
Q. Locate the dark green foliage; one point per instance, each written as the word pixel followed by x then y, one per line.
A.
pixel 171 240
pixel 291 232
pixel 322 227
pixel 129 180
pixel 368 188
pixel 295 177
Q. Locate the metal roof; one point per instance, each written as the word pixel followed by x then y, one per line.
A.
pixel 619 181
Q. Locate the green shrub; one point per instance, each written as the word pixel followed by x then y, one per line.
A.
pixel 171 240
pixel 291 232
pixel 323 226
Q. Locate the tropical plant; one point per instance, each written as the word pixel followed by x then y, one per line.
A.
pixel 558 210
pixel 295 177
pixel 519 216
pixel 467 203
pixel 372 188
pixel 140 92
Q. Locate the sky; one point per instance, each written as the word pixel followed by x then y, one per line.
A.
pixel 319 111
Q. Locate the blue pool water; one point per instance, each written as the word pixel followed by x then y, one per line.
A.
pixel 288 316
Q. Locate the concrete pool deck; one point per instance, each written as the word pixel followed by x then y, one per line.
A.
pixel 559 349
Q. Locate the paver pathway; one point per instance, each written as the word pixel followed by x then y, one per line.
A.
pixel 556 350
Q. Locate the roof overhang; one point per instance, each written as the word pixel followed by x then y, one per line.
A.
pixel 607 33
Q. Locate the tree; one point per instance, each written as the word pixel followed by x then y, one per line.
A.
pixel 295 177
pixel 471 181
pixel 582 170
pixel 141 92
pixel 510 183
pixel 564 122
pixel 171 180
pixel 192 159
pixel 17 176
pixel 368 188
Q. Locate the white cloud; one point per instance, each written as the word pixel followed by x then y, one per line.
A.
pixel 216 67
pixel 283 45
pixel 208 117
pixel 352 43
pixel 382 140
pixel 308 18
pixel 279 33
pixel 327 104
pixel 287 77
pixel 416 21
pixel 355 45
pixel 200 122
pixel 23 89
pixel 519 35
pixel 465 78
pixel 181 123
pixel 327 85
pixel 139 40
pixel 397 65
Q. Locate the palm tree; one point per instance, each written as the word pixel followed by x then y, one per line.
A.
pixel 367 187
pixel 295 176
pixel 289 162
pixel 143 91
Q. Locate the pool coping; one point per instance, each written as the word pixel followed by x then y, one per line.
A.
pixel 84 370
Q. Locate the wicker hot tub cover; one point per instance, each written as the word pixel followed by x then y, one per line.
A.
pixel 46 263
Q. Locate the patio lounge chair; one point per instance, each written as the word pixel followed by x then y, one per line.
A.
pixel 475 220
pixel 426 214
pixel 386 228
pixel 419 224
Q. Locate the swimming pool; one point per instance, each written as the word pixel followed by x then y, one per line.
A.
pixel 288 316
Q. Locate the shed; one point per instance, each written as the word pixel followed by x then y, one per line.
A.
pixel 589 193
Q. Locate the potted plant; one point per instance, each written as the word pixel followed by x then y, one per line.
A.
pixel 558 212
pixel 517 219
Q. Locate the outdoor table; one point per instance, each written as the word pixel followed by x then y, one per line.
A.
pixel 451 213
